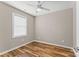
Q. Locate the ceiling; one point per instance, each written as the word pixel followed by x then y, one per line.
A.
pixel 30 6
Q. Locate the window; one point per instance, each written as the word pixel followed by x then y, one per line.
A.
pixel 19 25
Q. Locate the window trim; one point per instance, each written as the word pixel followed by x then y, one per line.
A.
pixel 17 14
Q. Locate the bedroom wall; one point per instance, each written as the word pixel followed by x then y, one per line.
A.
pixel 55 27
pixel 6 40
pixel 77 24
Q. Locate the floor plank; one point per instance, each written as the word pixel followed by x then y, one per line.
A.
pixel 37 49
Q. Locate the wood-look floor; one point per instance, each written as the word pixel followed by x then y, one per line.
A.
pixel 37 49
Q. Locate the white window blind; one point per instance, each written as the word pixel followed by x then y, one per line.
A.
pixel 19 25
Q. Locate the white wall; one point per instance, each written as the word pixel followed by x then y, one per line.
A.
pixel 77 24
pixel 74 25
pixel 6 40
pixel 56 27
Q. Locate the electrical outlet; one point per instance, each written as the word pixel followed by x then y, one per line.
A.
pixel 38 37
pixel 62 40
pixel 22 39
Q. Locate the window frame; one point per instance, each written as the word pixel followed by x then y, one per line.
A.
pixel 17 14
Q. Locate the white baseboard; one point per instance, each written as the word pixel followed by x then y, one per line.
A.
pixel 75 52
pixel 1 53
pixel 53 44
pixel 57 45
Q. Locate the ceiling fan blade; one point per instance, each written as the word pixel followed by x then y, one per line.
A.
pixel 31 5
pixel 40 3
pixel 45 8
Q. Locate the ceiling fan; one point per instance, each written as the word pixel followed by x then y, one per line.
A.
pixel 39 6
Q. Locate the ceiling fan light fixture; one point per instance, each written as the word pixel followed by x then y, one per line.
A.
pixel 38 9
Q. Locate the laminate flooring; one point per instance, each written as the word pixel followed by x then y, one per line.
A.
pixel 38 49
